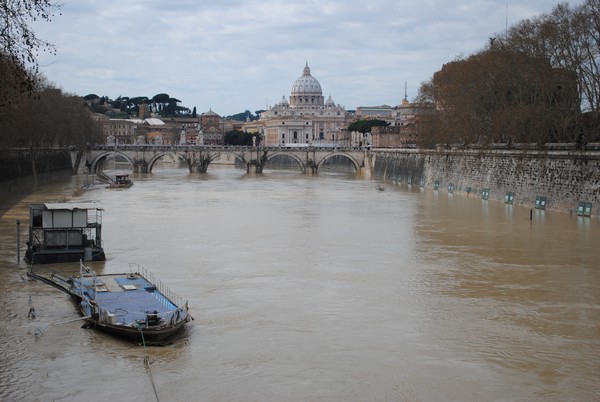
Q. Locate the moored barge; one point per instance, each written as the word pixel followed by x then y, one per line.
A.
pixel 134 306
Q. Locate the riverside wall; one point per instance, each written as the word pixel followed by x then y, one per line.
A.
pixel 25 168
pixel 564 177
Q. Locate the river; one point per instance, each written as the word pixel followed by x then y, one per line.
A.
pixel 317 288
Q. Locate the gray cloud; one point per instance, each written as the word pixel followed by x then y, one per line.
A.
pixel 235 55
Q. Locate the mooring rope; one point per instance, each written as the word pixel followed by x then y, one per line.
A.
pixel 147 365
pixel 40 330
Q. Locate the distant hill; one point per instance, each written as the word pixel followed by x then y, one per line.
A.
pixel 161 104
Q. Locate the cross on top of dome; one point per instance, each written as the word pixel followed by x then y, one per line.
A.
pixel 306 69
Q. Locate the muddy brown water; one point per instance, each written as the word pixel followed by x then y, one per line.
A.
pixel 317 288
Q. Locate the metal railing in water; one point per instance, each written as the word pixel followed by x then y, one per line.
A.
pixel 160 286
pixel 64 238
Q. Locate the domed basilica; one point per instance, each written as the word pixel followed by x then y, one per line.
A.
pixel 307 119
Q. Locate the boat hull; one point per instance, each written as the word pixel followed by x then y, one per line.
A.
pixel 63 255
pixel 141 336
pixel 120 185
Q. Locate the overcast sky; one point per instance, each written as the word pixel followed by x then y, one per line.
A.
pixel 233 55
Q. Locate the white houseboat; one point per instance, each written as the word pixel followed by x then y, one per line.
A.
pixel 65 232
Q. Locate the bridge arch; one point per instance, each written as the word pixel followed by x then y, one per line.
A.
pixel 290 155
pixel 93 164
pixel 240 157
pixel 160 155
pixel 354 162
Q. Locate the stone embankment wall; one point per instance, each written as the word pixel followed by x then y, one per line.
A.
pixel 564 177
pixel 18 167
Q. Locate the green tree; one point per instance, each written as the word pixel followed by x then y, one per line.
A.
pixel 236 137
pixel 161 98
pixel 365 125
pixel 245 115
pixel 121 103
pixel 170 107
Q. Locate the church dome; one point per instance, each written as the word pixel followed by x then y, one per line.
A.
pixel 306 92
pixel 284 102
pixel 330 102
pixel 306 84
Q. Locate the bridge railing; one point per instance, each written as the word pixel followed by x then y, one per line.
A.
pixel 222 148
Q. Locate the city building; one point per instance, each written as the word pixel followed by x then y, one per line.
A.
pixel 151 130
pixel 120 131
pixel 213 129
pixel 155 131
pixel 187 129
pixel 402 121
pixel 402 131
pixel 307 119
pixel 383 112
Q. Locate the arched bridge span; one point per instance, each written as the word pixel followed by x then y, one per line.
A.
pixel 198 158
pixel 312 162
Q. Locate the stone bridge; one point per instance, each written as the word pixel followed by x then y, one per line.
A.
pixel 198 158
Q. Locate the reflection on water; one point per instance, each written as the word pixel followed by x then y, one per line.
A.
pixel 319 288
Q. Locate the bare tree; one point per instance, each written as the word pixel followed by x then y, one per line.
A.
pixel 498 95
pixel 19 44
pixel 49 119
pixel 538 83
pixel 570 39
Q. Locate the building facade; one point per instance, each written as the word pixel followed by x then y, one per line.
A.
pixel 151 130
pixel 403 124
pixel 213 129
pixel 383 112
pixel 307 119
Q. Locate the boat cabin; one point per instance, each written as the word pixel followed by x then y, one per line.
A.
pixel 123 180
pixel 65 232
